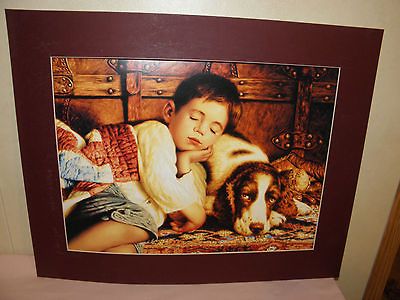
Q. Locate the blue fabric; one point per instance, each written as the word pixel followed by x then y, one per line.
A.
pixel 79 168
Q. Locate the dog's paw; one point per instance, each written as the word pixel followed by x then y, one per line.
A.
pixel 276 219
pixel 302 208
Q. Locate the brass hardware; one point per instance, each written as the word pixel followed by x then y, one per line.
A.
pixel 297 140
pixel 110 91
pixel 158 80
pixel 63 85
pixel 159 92
pixel 110 78
pixel 234 70
pixel 113 63
pixel 207 67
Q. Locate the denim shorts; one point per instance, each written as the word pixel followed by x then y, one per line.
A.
pixel 110 204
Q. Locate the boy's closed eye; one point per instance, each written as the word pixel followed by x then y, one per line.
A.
pixel 216 129
pixel 195 115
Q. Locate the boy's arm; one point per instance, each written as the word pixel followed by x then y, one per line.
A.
pixel 188 219
pixel 158 170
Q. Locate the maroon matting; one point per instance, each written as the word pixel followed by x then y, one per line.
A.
pixel 35 36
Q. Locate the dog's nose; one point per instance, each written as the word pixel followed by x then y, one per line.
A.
pixel 256 227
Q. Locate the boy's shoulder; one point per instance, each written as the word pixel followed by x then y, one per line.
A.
pixel 152 135
pixel 154 132
pixel 150 125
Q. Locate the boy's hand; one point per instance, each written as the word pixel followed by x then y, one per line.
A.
pixel 196 155
pixel 180 224
pixel 188 219
pixel 185 158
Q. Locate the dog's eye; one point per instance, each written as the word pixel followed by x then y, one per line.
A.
pixel 271 200
pixel 245 196
pixel 271 196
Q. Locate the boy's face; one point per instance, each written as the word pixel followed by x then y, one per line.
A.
pixel 198 124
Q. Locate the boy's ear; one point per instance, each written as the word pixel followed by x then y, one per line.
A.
pixel 168 111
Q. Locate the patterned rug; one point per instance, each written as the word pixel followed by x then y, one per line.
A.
pixel 295 234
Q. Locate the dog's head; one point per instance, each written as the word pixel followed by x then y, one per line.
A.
pixel 246 199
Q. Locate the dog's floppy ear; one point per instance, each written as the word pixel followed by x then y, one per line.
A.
pixel 285 204
pixel 230 193
pixel 224 205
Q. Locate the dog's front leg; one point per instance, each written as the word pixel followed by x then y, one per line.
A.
pixel 208 205
pixel 302 208
pixel 276 219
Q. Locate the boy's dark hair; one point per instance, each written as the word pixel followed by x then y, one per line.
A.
pixel 210 87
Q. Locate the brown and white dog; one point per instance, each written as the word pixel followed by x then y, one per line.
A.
pixel 244 190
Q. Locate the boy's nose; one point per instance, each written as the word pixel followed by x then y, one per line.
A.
pixel 200 128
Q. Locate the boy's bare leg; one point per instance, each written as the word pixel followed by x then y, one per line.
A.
pixel 129 248
pixel 106 235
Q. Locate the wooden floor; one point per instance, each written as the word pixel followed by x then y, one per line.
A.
pixel 387 262
pixel 392 289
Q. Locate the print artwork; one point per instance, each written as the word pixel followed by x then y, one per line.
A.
pixel 263 180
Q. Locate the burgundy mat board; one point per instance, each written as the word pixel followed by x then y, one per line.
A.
pixel 35 36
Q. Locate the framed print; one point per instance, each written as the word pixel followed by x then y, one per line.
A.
pixel 292 136
pixel 134 153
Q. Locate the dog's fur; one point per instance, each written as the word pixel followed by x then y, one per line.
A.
pixel 244 190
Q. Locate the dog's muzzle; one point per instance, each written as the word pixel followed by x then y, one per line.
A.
pixel 256 227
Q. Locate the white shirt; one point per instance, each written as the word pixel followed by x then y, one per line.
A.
pixel 159 191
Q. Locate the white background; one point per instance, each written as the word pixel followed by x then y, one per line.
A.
pixel 380 170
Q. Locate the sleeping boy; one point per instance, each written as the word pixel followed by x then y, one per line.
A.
pixel 130 178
